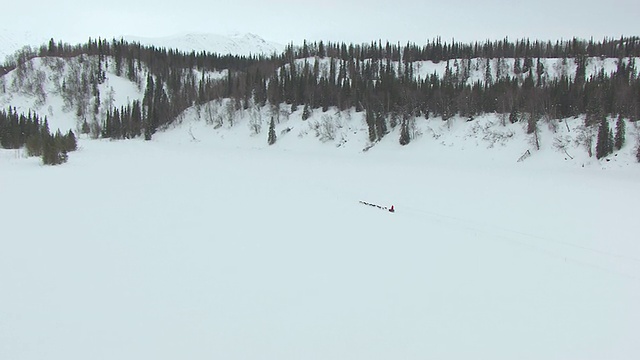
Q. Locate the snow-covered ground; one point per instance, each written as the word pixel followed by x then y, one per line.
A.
pixel 227 248
pixel 207 243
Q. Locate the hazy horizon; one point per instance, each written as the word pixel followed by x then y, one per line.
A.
pixel 358 21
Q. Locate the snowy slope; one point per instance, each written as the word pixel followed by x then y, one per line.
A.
pixel 562 143
pixel 41 86
pixel 40 90
pixel 476 69
pixel 234 44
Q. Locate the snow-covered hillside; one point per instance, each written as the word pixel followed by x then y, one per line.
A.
pixel 475 70
pixel 60 89
pixel 234 44
pixel 564 143
pixel 53 88
pixel 46 85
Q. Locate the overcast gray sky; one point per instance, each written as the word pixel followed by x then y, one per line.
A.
pixel 284 21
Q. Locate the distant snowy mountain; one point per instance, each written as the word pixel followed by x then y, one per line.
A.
pixel 11 41
pixel 235 44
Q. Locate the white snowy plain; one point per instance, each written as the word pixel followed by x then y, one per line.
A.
pixel 230 249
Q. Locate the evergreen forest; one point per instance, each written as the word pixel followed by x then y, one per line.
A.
pixel 377 78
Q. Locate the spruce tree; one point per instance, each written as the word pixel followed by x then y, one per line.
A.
pixel 371 125
pixel 107 129
pixel 488 79
pixel 306 112
pixel 532 123
pixel 539 72
pixel 51 153
pixel 61 141
pixel 147 133
pixel 513 117
pixel 86 129
pixel 272 133
pixel 34 144
pixel 620 134
pixel 380 124
pixel 70 142
pixel 603 145
pixel 116 125
pixel 404 133
pixel 44 130
pixel 517 69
